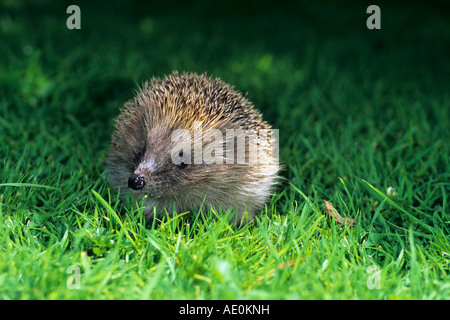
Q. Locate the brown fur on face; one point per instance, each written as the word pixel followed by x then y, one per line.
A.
pixel 142 145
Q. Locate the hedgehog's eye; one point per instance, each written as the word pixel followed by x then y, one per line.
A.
pixel 182 165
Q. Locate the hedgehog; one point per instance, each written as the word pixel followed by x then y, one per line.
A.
pixel 188 142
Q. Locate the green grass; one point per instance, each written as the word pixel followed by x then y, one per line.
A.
pixel 364 120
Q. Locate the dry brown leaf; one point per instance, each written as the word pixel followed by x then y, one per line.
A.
pixel 333 214
pixel 284 264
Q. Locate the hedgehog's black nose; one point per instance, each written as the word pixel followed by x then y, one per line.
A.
pixel 136 181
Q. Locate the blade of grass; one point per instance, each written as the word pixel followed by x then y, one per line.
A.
pixel 114 214
pixel 30 185
pixel 395 205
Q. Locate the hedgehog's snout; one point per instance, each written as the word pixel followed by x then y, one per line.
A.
pixel 136 181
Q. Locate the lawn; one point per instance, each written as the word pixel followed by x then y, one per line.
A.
pixel 363 117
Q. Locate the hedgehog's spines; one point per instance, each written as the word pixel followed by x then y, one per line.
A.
pixel 141 143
